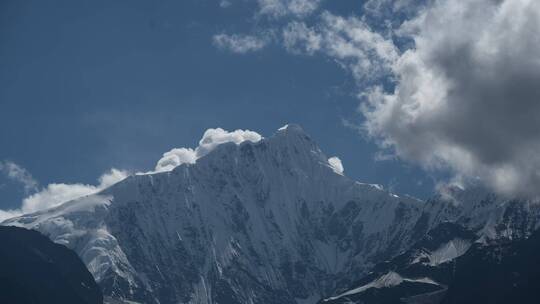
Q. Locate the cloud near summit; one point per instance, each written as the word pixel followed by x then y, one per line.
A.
pixel 210 140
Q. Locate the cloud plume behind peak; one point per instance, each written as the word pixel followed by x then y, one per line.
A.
pixel 209 141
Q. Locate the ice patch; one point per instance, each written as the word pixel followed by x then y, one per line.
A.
pixel 283 128
pixel 449 251
pixel 445 253
pixel 388 280
pixel 336 165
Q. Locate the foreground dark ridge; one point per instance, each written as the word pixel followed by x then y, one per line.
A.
pixel 34 270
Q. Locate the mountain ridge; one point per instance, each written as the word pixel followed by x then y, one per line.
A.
pixel 256 222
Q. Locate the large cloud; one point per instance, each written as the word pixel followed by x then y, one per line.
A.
pixel 468 93
pixel 210 140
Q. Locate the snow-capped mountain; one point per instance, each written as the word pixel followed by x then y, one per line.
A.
pixel 256 222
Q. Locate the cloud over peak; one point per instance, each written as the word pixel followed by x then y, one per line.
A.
pixel 210 140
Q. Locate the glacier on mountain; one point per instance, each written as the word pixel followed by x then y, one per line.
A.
pixel 389 279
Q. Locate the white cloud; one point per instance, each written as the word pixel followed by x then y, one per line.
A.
pixel 275 10
pixel 298 38
pixel 336 165
pixel 467 97
pixel 282 8
pixel 210 140
pixel 111 177
pixel 20 175
pixel 57 193
pixel 387 8
pixel 224 3
pixel 176 157
pixel 367 54
pixel 240 44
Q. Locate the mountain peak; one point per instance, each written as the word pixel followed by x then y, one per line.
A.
pixel 294 133
pixel 292 129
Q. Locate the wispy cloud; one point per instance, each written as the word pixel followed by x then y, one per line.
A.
pixel 225 3
pixel 19 174
pixel 282 8
pixel 57 193
pixel 240 44
pixel 367 54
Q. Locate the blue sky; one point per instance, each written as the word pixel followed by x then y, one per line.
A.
pixel 86 86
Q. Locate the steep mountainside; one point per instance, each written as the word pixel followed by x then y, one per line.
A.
pixel 501 271
pixel 266 222
pixel 423 272
pixel 35 270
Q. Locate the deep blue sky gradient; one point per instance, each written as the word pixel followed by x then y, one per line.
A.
pixel 90 85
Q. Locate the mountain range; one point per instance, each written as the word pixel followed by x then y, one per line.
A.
pixel 273 222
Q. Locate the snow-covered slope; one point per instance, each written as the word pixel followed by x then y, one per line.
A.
pixel 265 222
pixel 387 280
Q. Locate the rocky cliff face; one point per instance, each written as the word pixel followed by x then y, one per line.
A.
pixel 265 222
